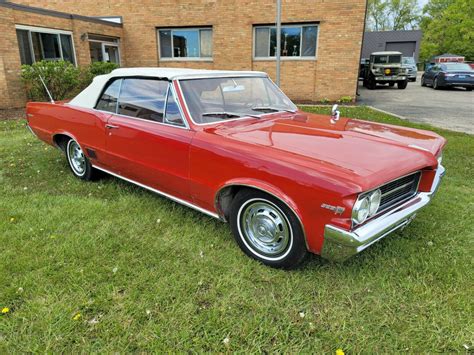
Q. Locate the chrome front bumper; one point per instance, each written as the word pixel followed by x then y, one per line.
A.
pixel 340 244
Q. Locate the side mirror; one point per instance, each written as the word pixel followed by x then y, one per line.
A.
pixel 335 114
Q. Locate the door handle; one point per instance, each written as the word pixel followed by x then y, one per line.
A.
pixel 111 126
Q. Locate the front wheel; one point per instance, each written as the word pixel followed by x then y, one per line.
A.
pixel 78 162
pixel 436 84
pixel 371 83
pixel 267 230
pixel 423 82
pixel 402 84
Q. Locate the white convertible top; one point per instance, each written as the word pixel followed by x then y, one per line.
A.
pixel 89 96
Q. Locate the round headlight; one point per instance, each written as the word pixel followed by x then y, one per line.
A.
pixel 360 212
pixel 374 198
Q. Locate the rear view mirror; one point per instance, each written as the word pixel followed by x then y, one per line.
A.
pixel 236 88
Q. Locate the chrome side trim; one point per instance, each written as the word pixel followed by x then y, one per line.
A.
pixel 164 194
pixel 340 244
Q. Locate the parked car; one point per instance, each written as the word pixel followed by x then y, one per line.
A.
pixel 410 66
pixel 384 68
pixel 449 75
pixel 230 144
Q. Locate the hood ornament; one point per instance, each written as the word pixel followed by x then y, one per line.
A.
pixel 335 114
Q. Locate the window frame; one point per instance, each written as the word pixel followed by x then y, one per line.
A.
pixel 300 57
pixel 113 42
pixel 53 31
pixel 170 88
pixel 184 59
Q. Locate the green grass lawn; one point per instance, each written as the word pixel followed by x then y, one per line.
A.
pixel 107 266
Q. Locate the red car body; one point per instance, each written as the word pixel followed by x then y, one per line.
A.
pixel 306 160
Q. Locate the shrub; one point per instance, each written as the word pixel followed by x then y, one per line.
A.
pixel 60 77
pixel 325 100
pixel 345 99
pixel 94 69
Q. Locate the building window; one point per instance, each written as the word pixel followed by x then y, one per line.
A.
pixel 38 44
pixel 104 49
pixel 297 41
pixel 187 43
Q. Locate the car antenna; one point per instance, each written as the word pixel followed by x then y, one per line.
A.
pixel 44 84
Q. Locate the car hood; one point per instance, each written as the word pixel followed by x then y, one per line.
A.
pixel 366 153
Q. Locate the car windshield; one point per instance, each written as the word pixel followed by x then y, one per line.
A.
pixel 408 60
pixel 387 59
pixel 458 67
pixel 217 99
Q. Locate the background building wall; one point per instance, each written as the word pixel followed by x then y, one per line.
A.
pixel 332 75
pixel 12 92
pixel 381 40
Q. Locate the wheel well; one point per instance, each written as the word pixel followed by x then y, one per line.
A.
pixel 225 197
pixel 61 140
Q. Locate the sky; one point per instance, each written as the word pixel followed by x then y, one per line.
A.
pixel 422 3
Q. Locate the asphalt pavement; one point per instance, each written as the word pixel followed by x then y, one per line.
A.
pixel 447 108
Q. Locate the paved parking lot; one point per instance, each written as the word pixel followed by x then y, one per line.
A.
pixel 449 108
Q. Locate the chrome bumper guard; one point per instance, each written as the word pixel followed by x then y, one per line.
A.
pixel 340 244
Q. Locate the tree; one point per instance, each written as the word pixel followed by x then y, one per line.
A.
pixel 405 14
pixel 383 15
pixel 448 27
pixel 377 19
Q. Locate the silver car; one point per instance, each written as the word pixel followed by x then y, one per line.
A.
pixel 410 65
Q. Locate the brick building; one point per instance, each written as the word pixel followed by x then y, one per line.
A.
pixel 321 39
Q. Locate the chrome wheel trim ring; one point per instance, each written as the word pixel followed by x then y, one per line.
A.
pixel 76 158
pixel 265 229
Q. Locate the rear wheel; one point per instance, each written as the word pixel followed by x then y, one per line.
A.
pixel 267 230
pixel 78 162
pixel 391 84
pixel 402 84
pixel 468 89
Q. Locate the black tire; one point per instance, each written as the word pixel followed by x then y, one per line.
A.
pixel 371 83
pixel 423 83
pixel 435 84
pixel 289 247
pixel 402 85
pixel 85 171
pixel 468 89
pixel 391 84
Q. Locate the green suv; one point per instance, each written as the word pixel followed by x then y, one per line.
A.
pixel 384 68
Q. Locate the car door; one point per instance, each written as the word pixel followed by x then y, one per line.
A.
pixel 148 140
pixel 429 76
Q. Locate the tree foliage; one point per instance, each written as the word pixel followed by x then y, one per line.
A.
pixel 384 15
pixel 448 27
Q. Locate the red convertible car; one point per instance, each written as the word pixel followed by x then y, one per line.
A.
pixel 232 145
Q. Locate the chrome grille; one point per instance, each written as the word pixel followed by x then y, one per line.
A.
pixel 399 190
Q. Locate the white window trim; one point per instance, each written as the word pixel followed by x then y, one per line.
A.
pixel 113 43
pixel 49 31
pixel 183 59
pixel 286 58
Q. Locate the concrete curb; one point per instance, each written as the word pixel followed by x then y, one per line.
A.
pixel 371 107
pixel 386 112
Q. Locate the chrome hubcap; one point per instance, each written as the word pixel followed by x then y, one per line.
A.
pixel 265 228
pixel 76 158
